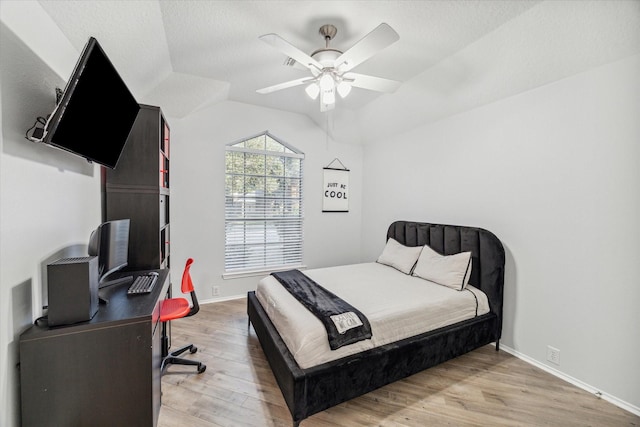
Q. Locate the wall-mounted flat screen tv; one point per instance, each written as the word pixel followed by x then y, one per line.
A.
pixel 96 112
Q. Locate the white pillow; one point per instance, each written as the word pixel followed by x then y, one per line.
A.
pixel 452 271
pixel 400 257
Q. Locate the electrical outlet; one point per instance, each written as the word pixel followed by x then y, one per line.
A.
pixel 215 291
pixel 553 355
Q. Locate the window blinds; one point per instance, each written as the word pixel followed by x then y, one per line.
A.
pixel 263 205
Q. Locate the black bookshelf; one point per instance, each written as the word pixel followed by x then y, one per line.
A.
pixel 138 189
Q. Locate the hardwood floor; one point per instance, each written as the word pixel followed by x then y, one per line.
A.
pixel 481 388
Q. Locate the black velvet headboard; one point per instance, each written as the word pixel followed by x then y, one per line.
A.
pixel 487 253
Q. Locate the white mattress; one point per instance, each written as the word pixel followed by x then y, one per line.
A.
pixel 397 305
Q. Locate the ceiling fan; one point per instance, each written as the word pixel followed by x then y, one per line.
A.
pixel 331 68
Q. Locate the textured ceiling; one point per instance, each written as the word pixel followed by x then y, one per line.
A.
pixel 451 56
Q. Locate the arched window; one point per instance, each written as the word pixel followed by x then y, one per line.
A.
pixel 263 205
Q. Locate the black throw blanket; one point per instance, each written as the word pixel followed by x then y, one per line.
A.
pixel 343 322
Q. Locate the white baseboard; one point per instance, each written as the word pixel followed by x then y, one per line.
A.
pixel 609 398
pixel 220 299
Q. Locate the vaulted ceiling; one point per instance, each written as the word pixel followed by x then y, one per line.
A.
pixel 451 56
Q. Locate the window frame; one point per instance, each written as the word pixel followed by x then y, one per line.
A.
pixel 288 152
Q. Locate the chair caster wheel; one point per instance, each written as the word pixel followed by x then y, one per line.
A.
pixel 193 349
pixel 202 368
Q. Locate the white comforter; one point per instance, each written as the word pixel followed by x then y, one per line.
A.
pixel 397 305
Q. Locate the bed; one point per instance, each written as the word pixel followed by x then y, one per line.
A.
pixel 327 382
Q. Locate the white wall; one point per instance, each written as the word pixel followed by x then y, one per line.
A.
pixel 197 191
pixel 555 174
pixel 49 200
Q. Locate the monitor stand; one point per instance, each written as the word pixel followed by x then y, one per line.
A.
pixel 119 281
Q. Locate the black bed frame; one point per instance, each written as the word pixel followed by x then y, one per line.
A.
pixel 309 391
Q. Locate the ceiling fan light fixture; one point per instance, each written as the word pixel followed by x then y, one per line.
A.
pixel 326 82
pixel 313 90
pixel 344 89
pixel 328 97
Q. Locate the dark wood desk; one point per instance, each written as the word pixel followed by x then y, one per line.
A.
pixel 104 372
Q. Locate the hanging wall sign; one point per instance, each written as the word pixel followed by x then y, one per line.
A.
pixel 335 192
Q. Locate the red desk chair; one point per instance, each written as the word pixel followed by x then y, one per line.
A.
pixel 176 308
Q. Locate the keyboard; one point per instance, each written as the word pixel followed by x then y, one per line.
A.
pixel 143 284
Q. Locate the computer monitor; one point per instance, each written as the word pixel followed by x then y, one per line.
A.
pixel 110 243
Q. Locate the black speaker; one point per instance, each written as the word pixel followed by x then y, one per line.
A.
pixel 72 287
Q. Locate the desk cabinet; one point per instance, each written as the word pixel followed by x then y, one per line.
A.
pixel 105 372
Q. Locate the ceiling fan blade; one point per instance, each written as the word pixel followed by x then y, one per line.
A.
pixel 382 36
pixel 370 82
pixel 291 51
pixel 285 85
